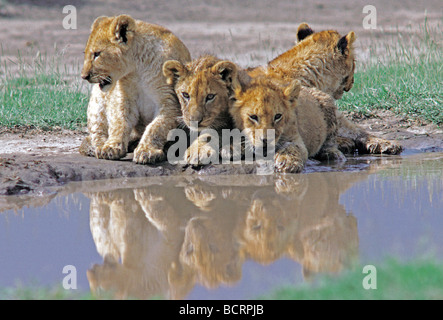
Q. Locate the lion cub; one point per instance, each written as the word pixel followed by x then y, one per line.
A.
pixel 130 98
pixel 303 120
pixel 326 60
pixel 204 89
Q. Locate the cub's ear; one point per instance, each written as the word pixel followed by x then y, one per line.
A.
pixel 122 29
pixel 244 78
pixel 172 70
pixel 97 21
pixel 292 91
pixel 228 73
pixel 303 31
pixel 345 43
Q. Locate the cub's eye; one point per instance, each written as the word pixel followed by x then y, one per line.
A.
pixel 253 117
pixel 210 97
pixel 185 95
pixel 96 54
pixel 277 117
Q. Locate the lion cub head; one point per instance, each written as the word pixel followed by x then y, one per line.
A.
pixel 339 47
pixel 204 88
pixel 106 59
pixel 324 59
pixel 264 110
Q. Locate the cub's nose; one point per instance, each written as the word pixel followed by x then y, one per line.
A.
pixel 86 76
pixel 198 117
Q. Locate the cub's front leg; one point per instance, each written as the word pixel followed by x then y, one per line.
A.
pixel 122 118
pixel 329 150
pixel 151 146
pixel 291 157
pixel 97 124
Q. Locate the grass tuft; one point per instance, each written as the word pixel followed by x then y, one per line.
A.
pixel 36 292
pixel 41 94
pixel 404 76
pixel 416 280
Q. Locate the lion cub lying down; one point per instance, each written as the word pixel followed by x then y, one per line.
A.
pixel 204 90
pixel 326 60
pixel 215 94
pixel 303 119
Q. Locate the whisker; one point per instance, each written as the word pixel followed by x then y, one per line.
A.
pixel 181 125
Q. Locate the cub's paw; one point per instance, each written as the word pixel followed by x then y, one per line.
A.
pixel 86 147
pixel 332 154
pixel 346 145
pixel 111 151
pixel 232 153
pixel 287 163
pixel 378 145
pixel 202 155
pixel 148 155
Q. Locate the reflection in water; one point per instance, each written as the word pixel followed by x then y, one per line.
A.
pixel 176 236
pixel 164 239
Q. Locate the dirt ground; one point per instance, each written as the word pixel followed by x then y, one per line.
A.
pixel 249 32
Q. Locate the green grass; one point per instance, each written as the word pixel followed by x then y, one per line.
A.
pixel 35 292
pixel 418 280
pixel 39 95
pixel 405 77
pixel 414 90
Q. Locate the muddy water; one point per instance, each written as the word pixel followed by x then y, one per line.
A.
pixel 227 237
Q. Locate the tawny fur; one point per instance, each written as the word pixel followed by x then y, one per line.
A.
pixel 326 60
pixel 130 98
pixel 204 88
pixel 303 119
pixel 317 62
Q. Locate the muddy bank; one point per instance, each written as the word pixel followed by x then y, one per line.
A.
pixel 33 180
pixel 24 174
pixel 33 162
